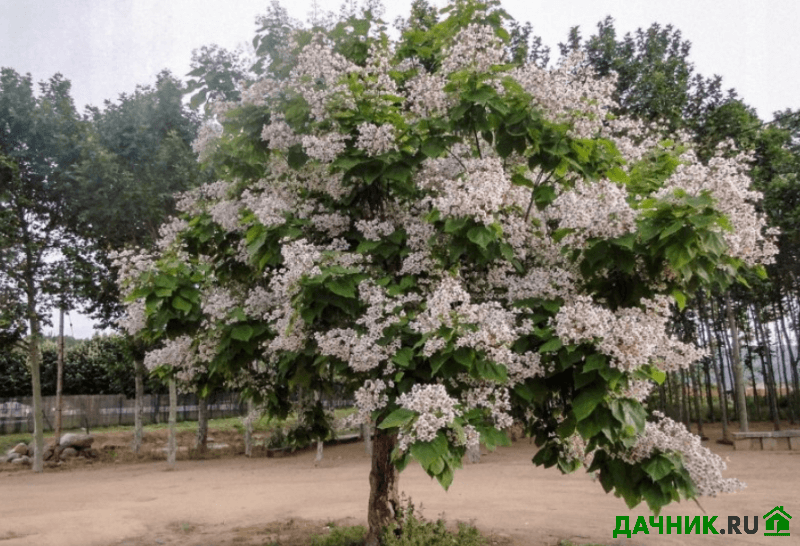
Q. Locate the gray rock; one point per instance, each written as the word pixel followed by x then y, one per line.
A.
pixel 48 452
pixel 22 449
pixel 11 456
pixel 22 460
pixel 68 453
pixel 78 441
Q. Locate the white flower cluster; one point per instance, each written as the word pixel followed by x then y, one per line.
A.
pixel 134 320
pixel 217 303
pixel 376 140
pixel 362 350
pixel 131 264
pixel 631 336
pixel 324 148
pixel 475 47
pixel 547 283
pixel 371 396
pixel 269 206
pixel 170 231
pixel 426 95
pixel 177 353
pixel 435 409
pixel 727 180
pixel 479 192
pixel 704 467
pixel 317 76
pixel 593 209
pixel 226 212
pixel 570 92
pixel 376 229
pixel 207 140
pixel 496 399
pixel 279 135
pixel 259 92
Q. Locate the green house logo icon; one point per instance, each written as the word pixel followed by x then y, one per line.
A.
pixel 776 521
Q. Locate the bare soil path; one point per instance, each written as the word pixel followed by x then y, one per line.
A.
pixel 236 500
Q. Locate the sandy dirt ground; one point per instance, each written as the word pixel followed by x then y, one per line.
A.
pixel 252 501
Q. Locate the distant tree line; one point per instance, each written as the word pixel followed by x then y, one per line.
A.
pixel 102 365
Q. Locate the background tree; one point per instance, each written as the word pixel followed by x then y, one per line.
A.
pixel 141 157
pixel 41 142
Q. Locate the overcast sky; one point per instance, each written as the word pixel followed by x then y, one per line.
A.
pixel 107 47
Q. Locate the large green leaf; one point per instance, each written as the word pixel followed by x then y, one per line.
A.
pixel 398 418
pixel 242 332
pixel 587 400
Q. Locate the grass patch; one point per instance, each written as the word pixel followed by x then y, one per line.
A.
pixel 341 536
pixel 415 530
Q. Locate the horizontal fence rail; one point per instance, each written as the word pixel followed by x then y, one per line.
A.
pixel 105 410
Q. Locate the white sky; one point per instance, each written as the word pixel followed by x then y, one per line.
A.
pixel 107 47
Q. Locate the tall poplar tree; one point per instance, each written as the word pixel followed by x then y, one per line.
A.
pixel 41 142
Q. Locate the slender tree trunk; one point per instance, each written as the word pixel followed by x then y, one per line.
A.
pixel 790 351
pixel 685 400
pixel 751 367
pixel 173 421
pixel 59 382
pixel 738 374
pixel 709 395
pixel 248 430
pixel 138 410
pixel 697 395
pixel 201 442
pixel 767 368
pixel 705 341
pixel 384 498
pixel 34 363
pixel 723 404
pixel 320 443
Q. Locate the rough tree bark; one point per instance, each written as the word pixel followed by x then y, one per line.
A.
pixel 384 497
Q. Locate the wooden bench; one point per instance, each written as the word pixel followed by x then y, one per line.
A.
pixel 768 440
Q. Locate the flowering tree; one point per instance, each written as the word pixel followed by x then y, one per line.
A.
pixel 461 242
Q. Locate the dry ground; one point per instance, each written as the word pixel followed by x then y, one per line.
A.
pixel 227 499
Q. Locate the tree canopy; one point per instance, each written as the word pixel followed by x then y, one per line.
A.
pixel 462 238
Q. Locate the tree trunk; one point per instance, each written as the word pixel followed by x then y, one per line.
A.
pixel 34 363
pixel 320 443
pixel 705 341
pixel 138 410
pixel 173 421
pixel 248 430
pixel 685 404
pixel 202 424
pixel 694 375
pixel 59 380
pixel 792 360
pixel 767 368
pixel 738 374
pixel 384 498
